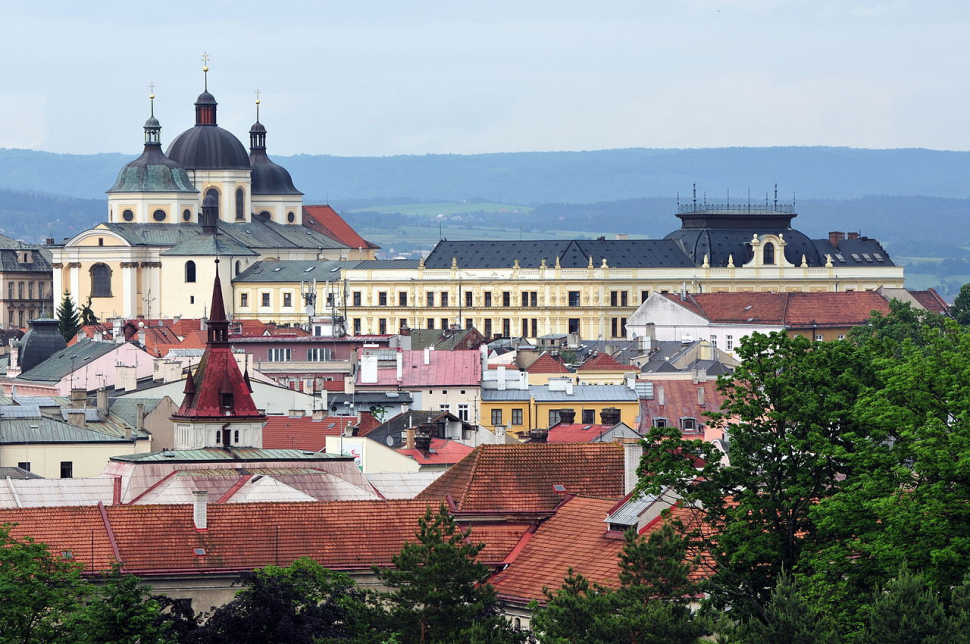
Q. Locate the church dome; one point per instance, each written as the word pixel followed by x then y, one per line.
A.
pixel 207 146
pixel 269 178
pixel 152 171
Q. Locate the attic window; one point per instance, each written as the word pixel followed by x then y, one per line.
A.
pixel 840 257
pixel 867 257
pixel 561 489
pixel 747 308
pixel 307 270
pixel 659 422
pixel 277 269
pixel 879 257
pixel 856 257
pixel 67 554
pixel 199 552
pixel 688 424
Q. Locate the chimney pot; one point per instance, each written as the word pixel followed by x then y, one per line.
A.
pixel 835 236
pixel 610 416
pixel 539 435
pixel 409 438
pixel 567 416
pixel 200 502
pixel 140 416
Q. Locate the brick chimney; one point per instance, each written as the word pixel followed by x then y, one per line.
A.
pixel 200 503
pixel 79 397
pixel 835 236
pixel 610 416
pixel 422 439
pixel 409 438
pixel 854 235
pixel 538 435
pixel 567 416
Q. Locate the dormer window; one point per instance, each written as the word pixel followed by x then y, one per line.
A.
pixel 660 422
pixel 226 400
pixel 688 424
pixel 769 253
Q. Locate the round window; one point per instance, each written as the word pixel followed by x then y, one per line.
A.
pixel 127 215
pixel 290 217
pixel 186 215
pixel 158 215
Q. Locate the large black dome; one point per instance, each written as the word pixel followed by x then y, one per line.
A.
pixel 208 147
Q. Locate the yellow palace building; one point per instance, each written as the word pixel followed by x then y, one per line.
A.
pixel 587 287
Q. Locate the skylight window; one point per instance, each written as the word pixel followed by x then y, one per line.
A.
pixel 307 270
pixel 277 269
pixel 840 257
pixel 879 257
pixel 199 552
pixel 867 257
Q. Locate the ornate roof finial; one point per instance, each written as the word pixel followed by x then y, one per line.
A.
pixel 151 97
pixel 205 69
pixel 257 105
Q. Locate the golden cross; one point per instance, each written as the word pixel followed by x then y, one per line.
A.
pixel 151 87
pixel 257 96
pixel 205 61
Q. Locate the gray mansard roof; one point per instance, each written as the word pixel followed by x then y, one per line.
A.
pixel 252 234
pixel 630 253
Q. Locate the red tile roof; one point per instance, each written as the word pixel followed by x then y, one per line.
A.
pixel 520 478
pixel 575 433
pixel 326 221
pixel 159 539
pixel 833 309
pixel 604 362
pixel 931 301
pixel 304 433
pixel 680 401
pixel 796 310
pixel 334 385
pixel 184 326
pixel 444 368
pixel 575 537
pixel 444 451
pixel 546 363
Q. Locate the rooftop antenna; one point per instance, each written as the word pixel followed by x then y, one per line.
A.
pixel 728 197
pixel 151 96
pixel 749 198
pixel 678 200
pixel 695 194
pixel 439 230
pixel 205 70
pixel 793 200
pixel 776 196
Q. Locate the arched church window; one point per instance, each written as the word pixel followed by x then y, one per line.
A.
pixel 127 215
pixel 769 253
pixel 190 271
pixel 237 267
pixel 186 215
pixel 290 217
pixel 100 280
pixel 240 204
pixel 159 215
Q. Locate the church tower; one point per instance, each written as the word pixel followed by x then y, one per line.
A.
pixel 218 408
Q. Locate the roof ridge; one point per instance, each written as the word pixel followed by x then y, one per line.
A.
pixel 784 314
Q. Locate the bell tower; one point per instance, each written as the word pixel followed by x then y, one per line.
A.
pixel 218 409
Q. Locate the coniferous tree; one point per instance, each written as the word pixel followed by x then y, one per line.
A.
pixel 87 314
pixel 790 617
pixel 67 316
pixel 438 589
pixel 906 611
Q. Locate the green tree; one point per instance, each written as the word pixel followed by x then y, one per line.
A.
pixel 438 590
pixel 906 611
pixel 788 417
pixel 68 319
pixel 961 306
pixel 120 611
pixel 790 617
pixel 40 591
pixel 649 607
pixel 300 604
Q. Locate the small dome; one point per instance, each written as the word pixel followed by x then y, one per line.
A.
pixel 270 178
pixel 153 172
pixel 257 128
pixel 205 98
pixel 152 122
pixel 208 147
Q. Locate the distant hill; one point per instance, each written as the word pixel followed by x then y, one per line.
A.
pixel 529 178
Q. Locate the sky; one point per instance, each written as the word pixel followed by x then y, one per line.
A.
pixel 380 78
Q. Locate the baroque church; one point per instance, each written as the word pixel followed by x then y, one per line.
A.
pixel 171 213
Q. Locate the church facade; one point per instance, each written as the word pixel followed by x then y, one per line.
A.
pixel 171 213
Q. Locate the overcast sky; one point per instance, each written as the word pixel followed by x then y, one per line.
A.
pixel 385 78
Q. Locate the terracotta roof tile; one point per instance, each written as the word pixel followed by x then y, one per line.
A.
pixel 520 478
pixel 931 301
pixel 546 363
pixel 79 530
pixel 575 537
pixel 334 385
pixel 680 400
pixel 303 433
pixel 326 221
pixel 833 309
pixel 444 451
pixel 604 362
pixel 576 433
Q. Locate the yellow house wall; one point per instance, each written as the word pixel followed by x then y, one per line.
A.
pixel 603 377
pixel 506 407
pixel 89 459
pixel 628 411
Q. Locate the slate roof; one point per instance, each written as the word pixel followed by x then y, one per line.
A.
pixel 520 478
pixel 17 473
pixel 395 428
pixel 61 363
pixel 326 221
pixel 218 454
pixel 303 433
pixel 603 393
pixel 127 408
pixel 294 270
pixel 645 253
pixel 10 262
pixel 210 245
pixel 574 537
pixel 18 431
pixel 252 234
